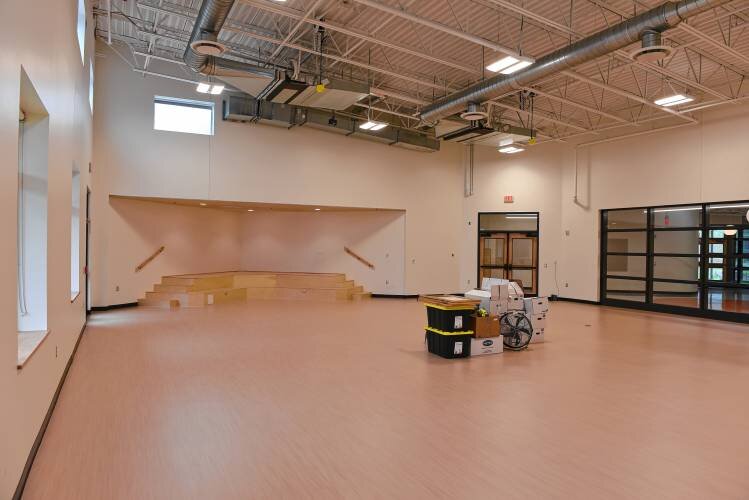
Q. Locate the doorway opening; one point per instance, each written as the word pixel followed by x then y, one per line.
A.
pixel 508 248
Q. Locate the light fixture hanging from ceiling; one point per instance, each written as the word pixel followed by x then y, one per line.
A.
pixel 510 64
pixel 370 124
pixel 210 88
pixel 674 100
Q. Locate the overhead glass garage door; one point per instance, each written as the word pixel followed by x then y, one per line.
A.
pixel 692 259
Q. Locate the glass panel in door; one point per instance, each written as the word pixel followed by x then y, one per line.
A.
pixel 524 261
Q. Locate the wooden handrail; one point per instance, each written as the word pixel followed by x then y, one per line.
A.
pixel 359 257
pixel 149 259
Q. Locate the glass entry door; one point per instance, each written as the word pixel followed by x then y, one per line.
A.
pixel 523 266
pixel 508 248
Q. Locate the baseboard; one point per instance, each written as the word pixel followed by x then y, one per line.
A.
pixel 40 435
pixel 393 296
pixel 579 301
pixel 113 306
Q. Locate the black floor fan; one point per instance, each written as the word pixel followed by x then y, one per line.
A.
pixel 516 329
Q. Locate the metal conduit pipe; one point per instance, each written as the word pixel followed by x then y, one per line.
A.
pixel 208 24
pixel 658 19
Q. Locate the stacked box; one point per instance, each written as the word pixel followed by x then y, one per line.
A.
pixel 485 327
pixel 448 319
pixel 449 345
pixel 484 346
pixel 538 322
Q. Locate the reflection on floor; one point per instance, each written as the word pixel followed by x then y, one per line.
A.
pixel 340 400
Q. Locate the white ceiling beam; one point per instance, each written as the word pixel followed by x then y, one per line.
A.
pixel 334 57
pixel 439 27
pixel 358 34
pixel 578 105
pixel 296 27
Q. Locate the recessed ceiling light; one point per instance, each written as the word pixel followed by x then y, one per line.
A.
pixel 250 209
pixel 203 88
pixel 203 204
pixel 510 64
pixel 318 209
pixel 217 89
pixel 674 100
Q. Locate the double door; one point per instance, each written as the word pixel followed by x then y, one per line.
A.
pixel 511 256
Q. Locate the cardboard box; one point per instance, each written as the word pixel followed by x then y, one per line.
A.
pixel 515 290
pixel 497 307
pixel 500 292
pixel 538 335
pixel 537 305
pixel 487 326
pixel 537 320
pixel 515 304
pixel 482 295
pixel 484 346
pixel 488 283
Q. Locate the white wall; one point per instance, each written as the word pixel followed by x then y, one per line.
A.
pixel 533 180
pixel 313 242
pixel 53 64
pixel 703 163
pixel 196 240
pixel 266 164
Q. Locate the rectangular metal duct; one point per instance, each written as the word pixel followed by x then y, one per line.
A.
pixel 407 139
pixel 323 120
pixel 338 95
pixel 248 109
pixel 240 109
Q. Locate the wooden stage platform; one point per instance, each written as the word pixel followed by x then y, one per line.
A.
pixel 200 290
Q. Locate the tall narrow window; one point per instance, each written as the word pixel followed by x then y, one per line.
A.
pixel 183 115
pixel 91 85
pixel 75 234
pixel 81 28
pixel 33 144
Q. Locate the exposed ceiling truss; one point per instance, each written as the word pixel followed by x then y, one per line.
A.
pixel 413 52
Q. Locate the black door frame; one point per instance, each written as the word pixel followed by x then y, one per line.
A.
pixel 87 275
pixel 536 234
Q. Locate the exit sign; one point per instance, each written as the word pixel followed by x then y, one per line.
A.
pixel 509 199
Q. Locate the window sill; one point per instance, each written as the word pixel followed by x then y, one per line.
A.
pixel 28 344
pixel 74 296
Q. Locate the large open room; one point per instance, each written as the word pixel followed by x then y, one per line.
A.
pixel 450 249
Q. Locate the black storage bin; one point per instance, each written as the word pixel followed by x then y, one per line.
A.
pixel 449 345
pixel 448 319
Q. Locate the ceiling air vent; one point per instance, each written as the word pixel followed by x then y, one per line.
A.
pixel 652 49
pixel 208 47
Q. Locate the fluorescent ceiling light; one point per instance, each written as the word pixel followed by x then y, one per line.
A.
pixel 207 88
pixel 676 209
pixel 509 150
pixel 674 100
pixel 373 126
pixel 728 206
pixel 510 64
pixel 506 142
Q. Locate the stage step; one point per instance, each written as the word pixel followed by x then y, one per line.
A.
pixel 199 290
